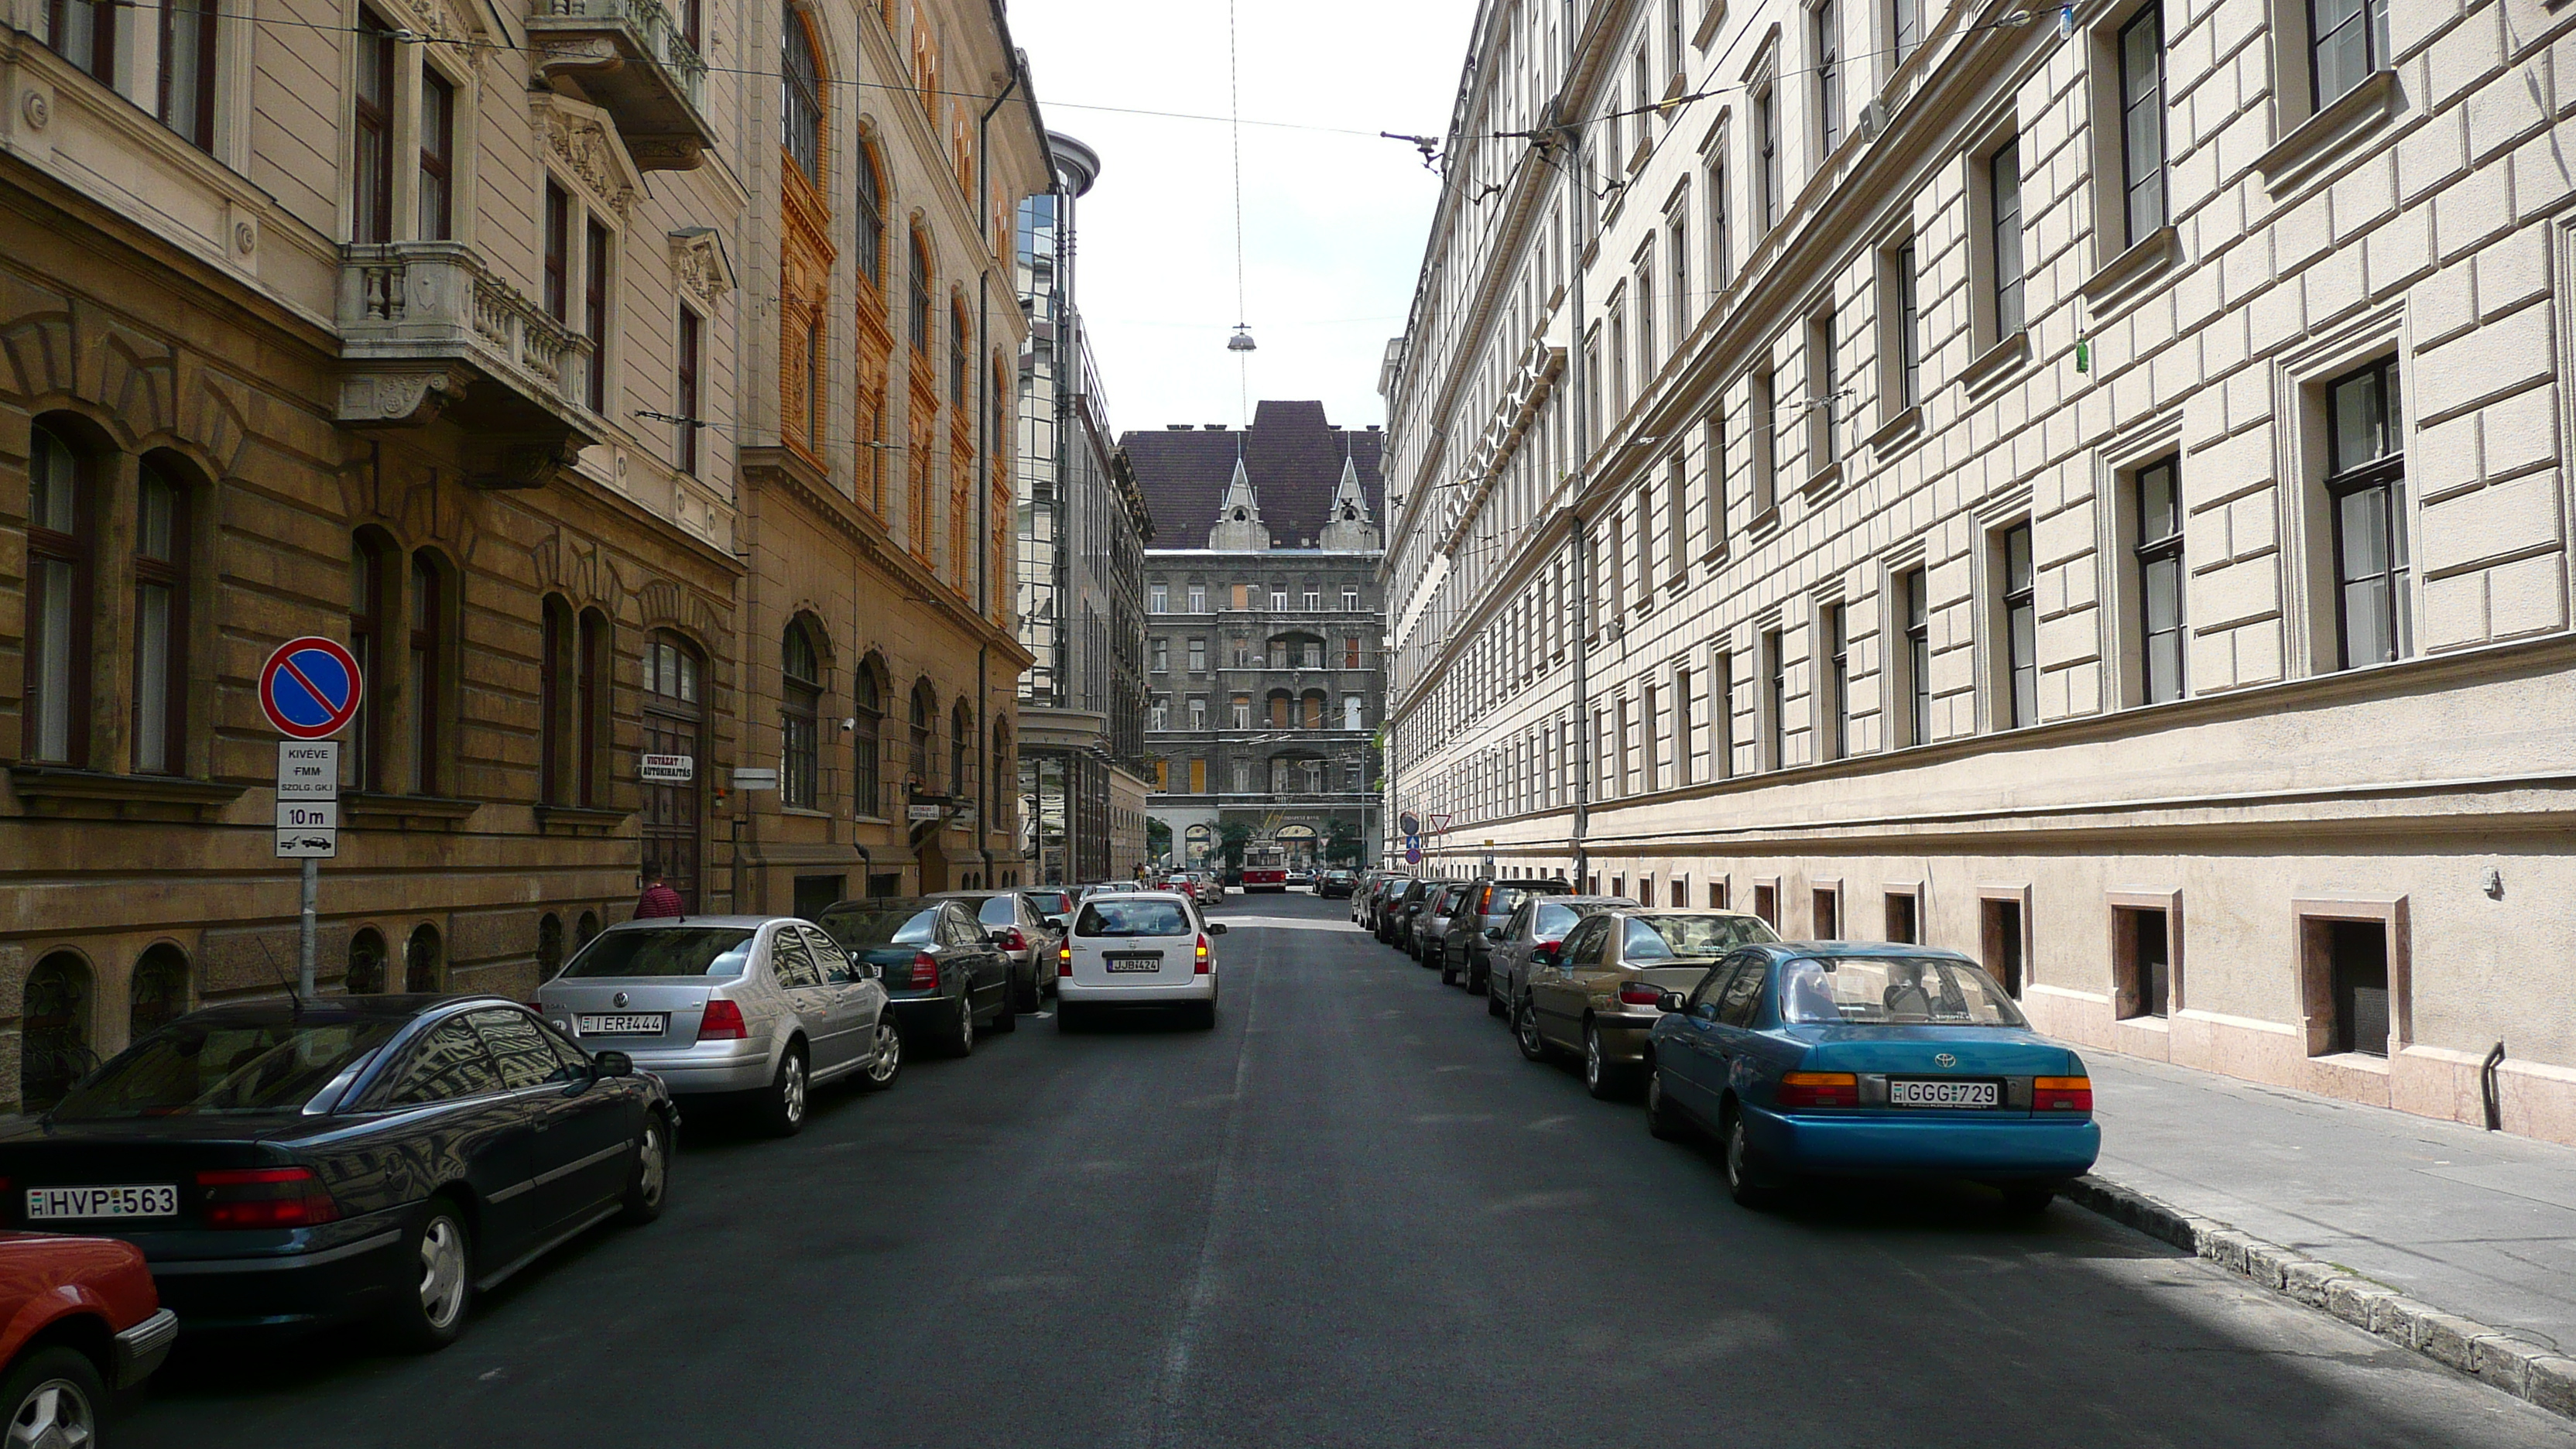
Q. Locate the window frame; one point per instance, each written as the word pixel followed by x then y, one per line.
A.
pixel 800 709
pixel 75 551
pixel 168 575
pixel 371 169
pixel 2385 474
pixel 2017 625
pixel 205 74
pixel 2130 105
pixel 685 387
pixel 437 181
pixel 2149 552
pixel 599 249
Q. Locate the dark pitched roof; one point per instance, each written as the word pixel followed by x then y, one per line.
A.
pixel 1292 453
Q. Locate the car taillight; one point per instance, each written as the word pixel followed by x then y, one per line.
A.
pixel 1064 957
pixel 1818 1089
pixel 265 1197
pixel 2062 1094
pixel 723 1022
pixel 1639 993
pixel 1012 940
pixel 925 971
pixel 1201 957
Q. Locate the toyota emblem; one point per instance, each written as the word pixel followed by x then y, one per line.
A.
pixel 621 1001
pixel 1940 1058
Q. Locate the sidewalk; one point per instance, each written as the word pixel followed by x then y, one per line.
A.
pixel 2474 1223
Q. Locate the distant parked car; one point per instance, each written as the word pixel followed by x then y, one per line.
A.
pixel 1599 996
pixel 1025 939
pixel 289 1163
pixel 1053 902
pixel 1430 925
pixel 1395 913
pixel 1150 948
pixel 944 974
pixel 761 1007
pixel 79 1322
pixel 1300 876
pixel 1334 883
pixel 1531 938
pixel 1868 1059
pixel 1466 957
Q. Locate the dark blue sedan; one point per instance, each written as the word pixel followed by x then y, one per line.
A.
pixel 1868 1059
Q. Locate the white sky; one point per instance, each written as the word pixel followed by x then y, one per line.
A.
pixel 1333 224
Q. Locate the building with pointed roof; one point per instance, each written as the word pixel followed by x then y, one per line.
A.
pixel 1262 645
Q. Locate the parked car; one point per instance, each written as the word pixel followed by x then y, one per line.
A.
pixel 79 1323
pixel 1429 927
pixel 1371 906
pixel 1300 876
pixel 1026 940
pixel 291 1163
pixel 1531 937
pixel 1055 903
pixel 1395 913
pixel 1335 883
pixel 1211 890
pixel 764 1008
pixel 945 975
pixel 1151 948
pixel 1868 1059
pixel 1599 996
pixel 1466 957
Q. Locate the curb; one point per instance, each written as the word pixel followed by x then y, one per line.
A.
pixel 2533 1372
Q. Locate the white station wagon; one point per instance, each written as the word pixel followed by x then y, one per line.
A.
pixel 1137 948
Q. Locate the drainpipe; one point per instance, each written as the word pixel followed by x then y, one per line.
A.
pixel 1579 573
pixel 984 443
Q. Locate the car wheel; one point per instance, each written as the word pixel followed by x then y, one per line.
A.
pixel 1479 983
pixel 1744 1179
pixel 54 1396
pixel 1448 974
pixel 1008 1018
pixel 961 1037
pixel 2028 1200
pixel 1494 1002
pixel 885 1060
pixel 1605 1079
pixel 652 1181
pixel 1068 1016
pixel 1663 1119
pixel 1203 1015
pixel 1033 999
pixel 431 1315
pixel 782 1107
pixel 1525 1031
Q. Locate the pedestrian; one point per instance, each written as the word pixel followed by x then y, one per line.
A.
pixel 658 900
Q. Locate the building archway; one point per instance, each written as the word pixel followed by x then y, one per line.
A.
pixel 424 965
pixel 158 993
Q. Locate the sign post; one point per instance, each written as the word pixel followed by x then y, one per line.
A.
pixel 309 689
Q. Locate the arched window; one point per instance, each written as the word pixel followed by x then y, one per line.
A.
pixel 590 704
pixel 800 98
pixel 424 969
pixel 588 926
pixel 918 761
pixel 550 946
pixel 800 699
pixel 961 749
pixel 868 708
pixel 53 1031
pixel 372 562
pixel 159 992
pixel 957 355
pixel 431 609
pixel 160 622
pixel 366 964
pixel 554 700
pixel 59 538
pixel 920 293
pixel 870 215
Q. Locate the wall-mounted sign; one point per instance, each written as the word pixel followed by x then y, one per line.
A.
pixel 755 778
pixel 921 814
pixel 668 769
pixel 963 817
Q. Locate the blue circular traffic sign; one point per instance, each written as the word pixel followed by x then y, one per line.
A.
pixel 310 688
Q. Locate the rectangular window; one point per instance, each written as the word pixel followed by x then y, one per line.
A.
pixel 1824 383
pixel 160 624
pixel 1676 520
pixel 1915 600
pixel 428 615
pixel 188 55
pixel 594 312
pixel 1310 655
pixel 1685 732
pixel 2347 40
pixel 1766 154
pixel 1198 714
pixel 1350 601
pixel 367 580
pixel 2143 962
pixel 1279 600
pixel 1828 912
pixel 1775 701
pixel 2020 628
pixel 1242 712
pixel 1198 656
pixel 1837 681
pixel 1198 598
pixel 1905 22
pixel 1713 466
pixel 1766 433
pixel 2160 582
pixel 1999 929
pixel 1243 777
pixel 1351 652
pixel 371 196
pixel 57 663
pixel 84 33
pixel 2142 122
pixel 437 156
pixel 1902 344
pixel 2003 176
pixel 558 259
pixel 2366 491
pixel 1829 75
pixel 1766 904
pixel 1158 598
pixel 1162 656
pixel 1679 223
pixel 1314 601
pixel 1646 546
pixel 1901 911
pixel 1158 716
pixel 691 350
pixel 1720 264
pixel 2357 979
pixel 1198 777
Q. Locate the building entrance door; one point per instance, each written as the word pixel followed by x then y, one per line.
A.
pixel 674 724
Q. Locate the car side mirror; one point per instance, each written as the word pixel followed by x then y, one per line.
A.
pixel 875 971
pixel 1670 1001
pixel 1493 933
pixel 1216 928
pixel 612 1064
pixel 1055 923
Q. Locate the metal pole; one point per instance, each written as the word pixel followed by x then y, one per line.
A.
pixel 305 944
pixel 1579 174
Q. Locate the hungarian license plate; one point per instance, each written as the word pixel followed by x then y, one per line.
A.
pixel 47 1203
pixel 1135 961
pixel 633 1023
pixel 1935 1092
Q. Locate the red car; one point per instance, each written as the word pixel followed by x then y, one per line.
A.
pixel 79 1319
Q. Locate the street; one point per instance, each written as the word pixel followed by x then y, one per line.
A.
pixel 1350 1215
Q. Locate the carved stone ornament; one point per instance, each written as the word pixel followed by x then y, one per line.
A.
pixel 37 109
pixel 400 399
pixel 589 151
pixel 431 18
pixel 698 260
pixel 245 237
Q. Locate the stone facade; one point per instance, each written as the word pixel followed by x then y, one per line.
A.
pixel 2088 494
pixel 460 348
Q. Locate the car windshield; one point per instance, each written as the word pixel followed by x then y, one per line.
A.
pixel 192 1068
pixel 1665 938
pixel 1893 990
pixel 997 911
pixel 665 951
pixel 904 926
pixel 1110 916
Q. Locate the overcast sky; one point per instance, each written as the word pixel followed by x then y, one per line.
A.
pixel 1333 224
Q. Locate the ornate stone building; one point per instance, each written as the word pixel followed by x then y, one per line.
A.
pixel 470 336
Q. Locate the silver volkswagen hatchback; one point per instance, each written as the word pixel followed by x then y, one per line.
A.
pixel 760 1006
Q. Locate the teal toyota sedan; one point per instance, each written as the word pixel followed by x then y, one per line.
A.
pixel 1851 1059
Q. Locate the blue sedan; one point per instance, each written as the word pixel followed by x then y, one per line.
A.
pixel 1868 1059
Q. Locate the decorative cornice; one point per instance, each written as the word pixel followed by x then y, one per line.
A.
pixel 584 141
pixel 698 260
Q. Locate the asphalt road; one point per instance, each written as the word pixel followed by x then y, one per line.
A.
pixel 1349 1216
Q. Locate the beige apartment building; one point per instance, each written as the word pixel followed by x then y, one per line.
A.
pixel 515 348
pixel 2079 487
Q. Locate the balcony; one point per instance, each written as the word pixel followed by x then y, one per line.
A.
pixel 428 332
pixel 630 59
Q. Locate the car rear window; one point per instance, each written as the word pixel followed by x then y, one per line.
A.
pixel 997 911
pixel 665 951
pixel 1895 990
pixel 1110 916
pixel 189 1069
pixel 1052 903
pixel 903 926
pixel 1668 937
pixel 1554 920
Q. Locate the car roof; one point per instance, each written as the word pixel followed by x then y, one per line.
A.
pixel 1784 950
pixel 391 1006
pixel 971 895
pixel 1612 901
pixel 1693 911
pixel 667 923
pixel 887 903
pixel 1158 896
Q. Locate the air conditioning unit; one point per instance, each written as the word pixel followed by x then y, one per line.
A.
pixel 1873 119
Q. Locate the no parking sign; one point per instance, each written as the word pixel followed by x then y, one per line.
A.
pixel 310 688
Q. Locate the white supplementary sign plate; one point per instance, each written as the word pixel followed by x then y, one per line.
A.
pixel 160 1200
pixel 667 769
pixel 307 815
pixel 303 844
pixel 308 769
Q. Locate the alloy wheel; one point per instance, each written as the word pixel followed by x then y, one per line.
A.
pixel 1525 1027
pixel 888 1056
pixel 791 1089
pixel 652 1166
pixel 56 1414
pixel 1592 1058
pixel 965 1026
pixel 442 1272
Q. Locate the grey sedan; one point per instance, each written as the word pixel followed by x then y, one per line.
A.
pixel 760 1006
